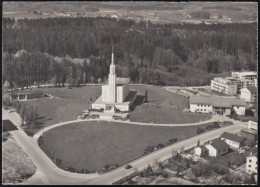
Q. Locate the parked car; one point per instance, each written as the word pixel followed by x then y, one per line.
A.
pixel 128 166
pixel 11 110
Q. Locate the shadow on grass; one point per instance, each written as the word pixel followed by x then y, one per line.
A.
pixel 140 99
pixel 40 121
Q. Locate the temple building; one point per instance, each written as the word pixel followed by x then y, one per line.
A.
pixel 115 93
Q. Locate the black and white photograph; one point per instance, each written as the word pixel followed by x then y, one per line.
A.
pixel 129 93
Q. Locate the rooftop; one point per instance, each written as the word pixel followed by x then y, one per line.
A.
pixel 250 131
pixel 226 79
pixel 219 144
pixel 217 101
pixel 246 73
pixel 252 89
pixel 254 151
pixel 232 137
pixel 254 120
pixel 25 92
pixel 203 148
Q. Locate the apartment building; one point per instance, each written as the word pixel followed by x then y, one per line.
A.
pixel 250 75
pixel 251 161
pixel 225 85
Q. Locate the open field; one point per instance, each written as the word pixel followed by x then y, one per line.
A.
pixel 92 145
pixel 23 14
pixel 15 163
pixel 164 11
pixel 163 107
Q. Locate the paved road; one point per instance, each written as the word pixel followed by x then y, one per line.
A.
pixel 48 173
pixel 214 118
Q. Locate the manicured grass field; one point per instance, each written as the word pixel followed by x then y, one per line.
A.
pixel 163 107
pixel 92 145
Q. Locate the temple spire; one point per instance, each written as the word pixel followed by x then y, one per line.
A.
pixel 112 60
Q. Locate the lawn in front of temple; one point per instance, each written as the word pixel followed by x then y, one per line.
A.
pixel 92 145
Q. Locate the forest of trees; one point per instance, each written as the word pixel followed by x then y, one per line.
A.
pixel 169 54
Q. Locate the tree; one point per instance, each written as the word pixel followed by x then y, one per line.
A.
pixel 182 150
pixel 6 85
pixel 23 113
pixel 146 96
pixel 6 100
pixel 54 80
pixel 198 143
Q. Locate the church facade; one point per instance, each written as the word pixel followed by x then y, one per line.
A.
pixel 115 93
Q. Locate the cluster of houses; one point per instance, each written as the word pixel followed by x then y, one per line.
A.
pixel 242 83
pixel 247 138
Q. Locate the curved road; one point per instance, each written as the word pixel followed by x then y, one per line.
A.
pixel 214 118
pixel 48 173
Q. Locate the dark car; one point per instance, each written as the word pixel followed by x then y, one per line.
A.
pixel 128 166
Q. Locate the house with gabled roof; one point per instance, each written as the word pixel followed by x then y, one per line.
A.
pixel 217 148
pixel 233 140
pixel 249 94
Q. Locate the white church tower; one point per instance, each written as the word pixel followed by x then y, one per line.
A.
pixel 112 80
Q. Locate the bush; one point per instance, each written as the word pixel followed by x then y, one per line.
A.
pixel 149 149
pixel 40 140
pixel 220 170
pixel 71 169
pixel 165 175
pixel 200 130
pixel 173 140
pixel 160 145
pixel 195 180
pixel 201 170
pixel 28 131
pixel 5 136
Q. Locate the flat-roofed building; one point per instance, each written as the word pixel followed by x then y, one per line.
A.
pixel 250 75
pixel 23 96
pixel 249 94
pixel 243 83
pixel 217 105
pixel 251 161
pixel 224 85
